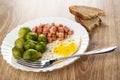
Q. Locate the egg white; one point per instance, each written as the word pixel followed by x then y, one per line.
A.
pixel 49 53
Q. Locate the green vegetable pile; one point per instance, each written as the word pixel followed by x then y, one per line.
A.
pixel 30 45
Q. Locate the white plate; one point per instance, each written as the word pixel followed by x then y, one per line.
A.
pixel 8 42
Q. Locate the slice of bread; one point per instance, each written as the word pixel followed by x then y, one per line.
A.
pixel 86 12
pixel 89 24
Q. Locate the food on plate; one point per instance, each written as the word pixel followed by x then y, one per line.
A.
pixel 65 48
pixel 41 47
pixel 44 40
pixel 58 48
pixel 19 42
pixel 23 31
pixel 53 31
pixel 29 45
pixel 87 16
pixel 86 12
pixel 17 52
pixel 25 45
pixel 31 36
pixel 31 55
pixel 89 24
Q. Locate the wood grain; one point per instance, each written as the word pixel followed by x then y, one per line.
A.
pixel 97 67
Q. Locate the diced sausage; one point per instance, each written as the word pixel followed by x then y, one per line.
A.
pixel 60 29
pixel 70 32
pixel 34 29
pixel 65 35
pixel 53 24
pixel 66 29
pixel 60 25
pixel 53 30
pixel 45 33
pixel 60 39
pixel 49 39
pixel 49 34
pixel 54 37
pixel 57 34
pixel 46 29
pixel 61 35
pixel 39 30
pixel 41 25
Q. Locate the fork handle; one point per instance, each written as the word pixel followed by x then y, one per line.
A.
pixel 99 51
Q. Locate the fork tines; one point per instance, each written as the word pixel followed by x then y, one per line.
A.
pixel 35 64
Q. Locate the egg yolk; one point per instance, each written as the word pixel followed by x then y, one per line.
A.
pixel 65 48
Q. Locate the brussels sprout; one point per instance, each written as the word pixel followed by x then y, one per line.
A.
pixel 19 42
pixel 31 55
pixel 42 38
pixel 17 52
pixel 23 31
pixel 31 36
pixel 29 45
pixel 43 44
pixel 41 47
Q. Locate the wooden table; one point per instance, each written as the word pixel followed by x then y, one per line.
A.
pixel 97 67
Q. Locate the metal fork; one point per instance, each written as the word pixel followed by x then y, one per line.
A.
pixel 47 63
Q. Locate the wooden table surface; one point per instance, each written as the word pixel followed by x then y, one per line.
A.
pixel 95 67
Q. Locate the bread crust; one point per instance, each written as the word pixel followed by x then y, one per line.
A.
pixel 79 14
pixel 84 16
pixel 83 22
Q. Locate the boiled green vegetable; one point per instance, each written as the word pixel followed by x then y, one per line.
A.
pixel 31 55
pixel 42 38
pixel 19 42
pixel 17 52
pixel 23 31
pixel 41 47
pixel 31 36
pixel 29 45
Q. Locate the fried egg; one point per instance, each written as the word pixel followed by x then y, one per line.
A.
pixel 63 48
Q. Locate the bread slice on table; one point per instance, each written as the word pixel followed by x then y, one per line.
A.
pixel 86 12
pixel 89 24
